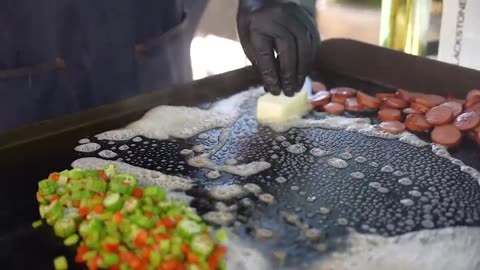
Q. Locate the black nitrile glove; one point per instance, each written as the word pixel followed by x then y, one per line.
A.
pixel 287 27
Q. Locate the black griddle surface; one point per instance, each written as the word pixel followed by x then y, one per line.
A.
pixel 453 196
pixel 448 197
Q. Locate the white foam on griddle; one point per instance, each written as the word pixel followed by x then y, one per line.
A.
pixel 240 169
pixel 441 249
pixel 107 154
pixel 333 122
pixel 144 176
pixel 87 147
pixel 83 141
pixel 443 152
pixel 164 122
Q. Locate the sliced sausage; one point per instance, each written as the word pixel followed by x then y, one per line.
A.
pixel 467 121
pixel 352 104
pixel 454 106
pixel 403 94
pixel 320 98
pixel 386 115
pixel 429 100
pixel 417 122
pixel 396 103
pixel 474 95
pixel 446 135
pixel 460 101
pixel 334 108
pixel 318 86
pixel 384 96
pixel 385 106
pixel 367 100
pixel 419 107
pixel 439 115
pixel 340 94
pixel 393 127
pixel 340 99
pixel 410 111
pixel 470 103
pixel 474 108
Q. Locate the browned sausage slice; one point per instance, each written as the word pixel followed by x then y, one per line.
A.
pixel 368 101
pixel 393 127
pixel 454 106
pixel 474 95
pixel 439 115
pixel 403 94
pixel 396 103
pixel 417 122
pixel 470 103
pixel 352 104
pixel 384 96
pixel 446 135
pixel 334 108
pixel 429 100
pixel 419 107
pixel 340 94
pixel 320 98
pixel 386 115
pixel 467 121
pixel 474 108
pixel 318 86
pixel 410 110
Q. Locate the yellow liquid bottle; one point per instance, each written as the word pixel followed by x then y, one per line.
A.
pixel 405 24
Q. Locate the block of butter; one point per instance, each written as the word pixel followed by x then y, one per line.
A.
pixel 278 109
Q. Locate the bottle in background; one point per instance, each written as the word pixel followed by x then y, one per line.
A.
pixel 405 25
pixel 460 33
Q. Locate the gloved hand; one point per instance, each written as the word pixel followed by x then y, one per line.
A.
pixel 287 27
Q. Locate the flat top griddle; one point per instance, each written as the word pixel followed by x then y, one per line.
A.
pixel 454 198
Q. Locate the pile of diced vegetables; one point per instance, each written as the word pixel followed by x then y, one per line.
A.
pixel 120 225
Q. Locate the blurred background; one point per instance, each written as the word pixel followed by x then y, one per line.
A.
pixel 407 25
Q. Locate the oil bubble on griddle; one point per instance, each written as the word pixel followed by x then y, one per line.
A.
pixel 332 180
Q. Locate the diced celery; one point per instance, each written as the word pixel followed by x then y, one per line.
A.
pixel 110 259
pixel 54 211
pixel 76 174
pixel 221 235
pixel 71 240
pixel 96 185
pixel 130 205
pixel 91 173
pixel 113 202
pixel 37 224
pixel 64 227
pixel 187 228
pixel 110 170
pixel 125 178
pixel 60 263
pixel 202 245
pixel 62 180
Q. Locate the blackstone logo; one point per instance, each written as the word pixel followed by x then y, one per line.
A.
pixel 457 48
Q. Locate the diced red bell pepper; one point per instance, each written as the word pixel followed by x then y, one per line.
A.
pixel 137 192
pixel 83 211
pixel 54 176
pixel 141 238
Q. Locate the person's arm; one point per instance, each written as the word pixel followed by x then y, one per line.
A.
pixel 286 27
